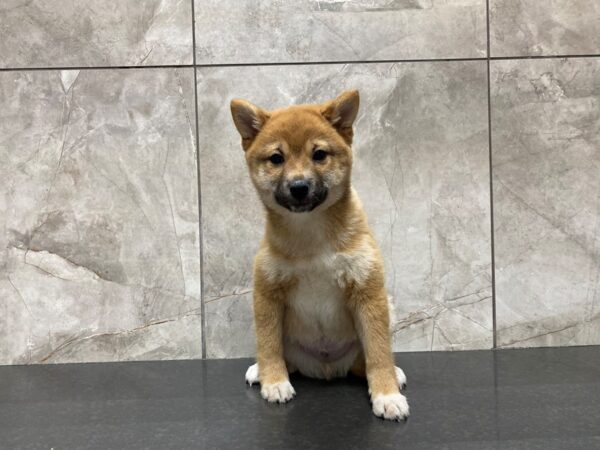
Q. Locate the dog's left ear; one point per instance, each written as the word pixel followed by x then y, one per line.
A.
pixel 341 113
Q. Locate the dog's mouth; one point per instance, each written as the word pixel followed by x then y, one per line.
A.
pixel 306 204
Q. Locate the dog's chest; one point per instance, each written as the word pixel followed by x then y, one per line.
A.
pixel 318 299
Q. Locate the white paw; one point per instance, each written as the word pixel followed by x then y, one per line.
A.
pixel 252 374
pixel 390 406
pixel 400 378
pixel 278 392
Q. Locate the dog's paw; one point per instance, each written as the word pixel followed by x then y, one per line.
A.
pixel 390 406
pixel 278 392
pixel 400 378
pixel 252 374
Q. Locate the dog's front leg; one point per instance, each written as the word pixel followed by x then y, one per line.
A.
pixel 371 316
pixel 269 309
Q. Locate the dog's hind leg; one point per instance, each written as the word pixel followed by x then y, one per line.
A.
pixel 252 375
pixel 291 368
pixel 400 378
pixel 358 367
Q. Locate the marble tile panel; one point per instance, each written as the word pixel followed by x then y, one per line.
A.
pixel 86 33
pixel 546 167
pixel 99 234
pixel 548 27
pixel 421 168
pixel 256 31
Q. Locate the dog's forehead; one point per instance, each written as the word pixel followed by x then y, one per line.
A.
pixel 297 112
pixel 297 124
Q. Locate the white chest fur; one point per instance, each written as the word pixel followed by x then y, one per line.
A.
pixel 317 305
pixel 317 300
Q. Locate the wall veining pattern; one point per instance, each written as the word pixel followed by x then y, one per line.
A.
pixel 126 235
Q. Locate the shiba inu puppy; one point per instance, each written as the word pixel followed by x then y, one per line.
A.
pixel 320 305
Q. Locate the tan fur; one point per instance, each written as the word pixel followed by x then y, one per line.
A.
pixel 318 276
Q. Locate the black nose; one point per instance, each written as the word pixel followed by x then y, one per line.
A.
pixel 299 189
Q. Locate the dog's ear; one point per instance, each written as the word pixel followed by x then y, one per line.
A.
pixel 341 113
pixel 248 119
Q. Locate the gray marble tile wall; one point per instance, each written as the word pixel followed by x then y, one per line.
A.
pixel 126 235
pixel 265 31
pixel 99 216
pixel 546 178
pixel 88 33
pixel 421 169
pixel 552 27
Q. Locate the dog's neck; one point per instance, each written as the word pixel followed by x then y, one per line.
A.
pixel 306 234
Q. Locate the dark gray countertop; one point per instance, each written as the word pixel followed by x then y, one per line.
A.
pixel 523 399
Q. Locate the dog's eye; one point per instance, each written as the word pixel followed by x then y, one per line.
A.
pixel 319 155
pixel 276 158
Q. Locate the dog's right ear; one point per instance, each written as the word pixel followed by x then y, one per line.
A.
pixel 248 119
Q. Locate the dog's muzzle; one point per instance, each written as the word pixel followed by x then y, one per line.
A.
pixel 301 195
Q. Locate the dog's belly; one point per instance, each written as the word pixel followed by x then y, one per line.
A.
pixel 320 339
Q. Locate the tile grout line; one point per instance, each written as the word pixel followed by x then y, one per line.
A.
pixel 295 63
pixel 198 175
pixel 400 61
pixel 333 62
pixel 574 56
pixel 121 67
pixel 492 237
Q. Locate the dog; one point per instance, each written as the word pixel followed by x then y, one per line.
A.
pixel 320 304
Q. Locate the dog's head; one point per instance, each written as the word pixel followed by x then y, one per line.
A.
pixel 299 157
